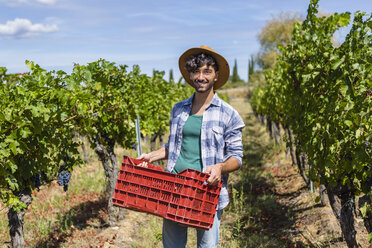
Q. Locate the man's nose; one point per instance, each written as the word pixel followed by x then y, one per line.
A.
pixel 200 76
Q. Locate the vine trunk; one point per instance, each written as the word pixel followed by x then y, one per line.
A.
pixel 16 220
pixel 109 161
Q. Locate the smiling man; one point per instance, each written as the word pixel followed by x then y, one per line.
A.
pixel 205 134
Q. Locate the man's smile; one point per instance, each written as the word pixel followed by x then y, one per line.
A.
pixel 201 83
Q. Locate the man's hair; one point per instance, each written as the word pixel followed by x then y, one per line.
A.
pixel 196 61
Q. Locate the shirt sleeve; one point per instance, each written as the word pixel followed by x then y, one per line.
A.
pixel 233 138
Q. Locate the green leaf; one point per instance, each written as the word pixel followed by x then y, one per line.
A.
pixel 98 86
pixel 30 64
pixel 337 63
pixel 13 146
pixel 8 116
pixel 355 66
pixel 13 167
pixel 12 184
pixel 365 209
pixel 358 133
pixel 25 132
pixel 348 123
pixel 64 116
pixel 344 19
pixel 344 89
pixel 46 117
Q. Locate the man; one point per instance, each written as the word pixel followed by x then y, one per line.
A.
pixel 205 134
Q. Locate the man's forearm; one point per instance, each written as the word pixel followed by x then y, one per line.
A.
pixel 159 154
pixel 230 165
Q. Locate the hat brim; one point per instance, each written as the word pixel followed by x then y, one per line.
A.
pixel 223 66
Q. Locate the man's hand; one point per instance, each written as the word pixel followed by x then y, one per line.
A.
pixel 146 159
pixel 144 156
pixel 215 173
pixel 161 153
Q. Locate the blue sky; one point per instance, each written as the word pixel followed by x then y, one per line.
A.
pixel 58 33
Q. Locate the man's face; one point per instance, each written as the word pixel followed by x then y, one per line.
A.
pixel 203 78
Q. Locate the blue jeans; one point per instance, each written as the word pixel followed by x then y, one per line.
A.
pixel 175 235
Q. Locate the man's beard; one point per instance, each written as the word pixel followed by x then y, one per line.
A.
pixel 199 89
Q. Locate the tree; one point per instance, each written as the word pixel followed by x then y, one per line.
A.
pixel 235 77
pixel 277 32
pixel 250 67
pixel 171 80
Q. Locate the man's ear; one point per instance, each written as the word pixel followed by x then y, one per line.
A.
pixel 216 77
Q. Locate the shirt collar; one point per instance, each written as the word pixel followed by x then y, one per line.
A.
pixel 216 101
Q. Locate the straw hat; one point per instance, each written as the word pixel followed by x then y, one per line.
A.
pixel 223 66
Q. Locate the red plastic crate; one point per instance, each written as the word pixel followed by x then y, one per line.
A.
pixel 184 197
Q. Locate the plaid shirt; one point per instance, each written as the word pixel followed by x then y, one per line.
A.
pixel 221 137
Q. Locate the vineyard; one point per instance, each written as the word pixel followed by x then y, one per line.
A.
pixel 317 99
pixel 271 205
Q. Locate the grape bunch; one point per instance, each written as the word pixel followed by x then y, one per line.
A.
pixel 36 180
pixel 64 177
pixel 368 147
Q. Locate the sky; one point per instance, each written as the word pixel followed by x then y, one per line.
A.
pixel 152 34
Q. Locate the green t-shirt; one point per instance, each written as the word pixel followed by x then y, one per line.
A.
pixel 190 155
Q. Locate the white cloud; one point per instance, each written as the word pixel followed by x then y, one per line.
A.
pixel 17 3
pixel 20 28
pixel 49 2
